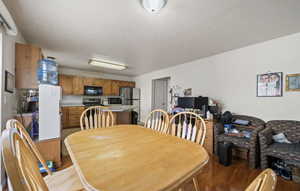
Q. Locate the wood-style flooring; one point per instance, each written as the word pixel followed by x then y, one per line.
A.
pixel 215 177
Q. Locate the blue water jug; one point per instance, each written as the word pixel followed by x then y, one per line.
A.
pixel 47 71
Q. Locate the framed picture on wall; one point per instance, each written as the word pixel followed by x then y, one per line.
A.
pixel 9 82
pixel 292 82
pixel 269 84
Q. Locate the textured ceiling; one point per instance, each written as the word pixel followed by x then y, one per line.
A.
pixel 185 30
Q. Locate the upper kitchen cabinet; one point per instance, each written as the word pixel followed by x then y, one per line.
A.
pixel 27 57
pixel 66 82
pixel 78 83
pixel 116 85
pixel 74 85
pixel 105 84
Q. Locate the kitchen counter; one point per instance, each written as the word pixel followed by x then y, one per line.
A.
pixel 113 108
pixel 71 114
pixel 71 105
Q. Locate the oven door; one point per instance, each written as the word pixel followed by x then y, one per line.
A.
pixel 93 91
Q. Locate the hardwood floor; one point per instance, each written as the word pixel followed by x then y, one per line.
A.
pixel 215 177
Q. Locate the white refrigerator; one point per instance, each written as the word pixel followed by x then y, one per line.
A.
pixel 49 112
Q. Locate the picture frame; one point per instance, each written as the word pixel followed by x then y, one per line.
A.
pixel 187 92
pixel 292 82
pixel 9 82
pixel 269 84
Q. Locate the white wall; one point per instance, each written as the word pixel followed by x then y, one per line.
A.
pixel 230 78
pixel 7 100
pixel 77 72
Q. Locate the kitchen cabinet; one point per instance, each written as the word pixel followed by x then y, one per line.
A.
pixel 66 82
pixel 116 85
pixel 78 83
pixel 209 136
pixel 89 81
pixel 26 61
pixel 105 84
pixel 74 85
pixel 71 116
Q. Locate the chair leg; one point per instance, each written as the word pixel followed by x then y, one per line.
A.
pixel 196 184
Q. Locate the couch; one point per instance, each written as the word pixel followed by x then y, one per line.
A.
pixel 290 153
pixel 250 144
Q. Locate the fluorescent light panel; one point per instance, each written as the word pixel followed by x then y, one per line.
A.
pixel 107 64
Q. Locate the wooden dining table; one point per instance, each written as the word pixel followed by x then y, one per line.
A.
pixel 133 158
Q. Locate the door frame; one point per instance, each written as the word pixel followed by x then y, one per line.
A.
pixel 153 92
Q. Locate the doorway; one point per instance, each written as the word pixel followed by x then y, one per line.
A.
pixel 160 89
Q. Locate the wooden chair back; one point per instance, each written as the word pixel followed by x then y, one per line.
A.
pixel 10 160
pixel 189 126
pixel 265 181
pixel 96 117
pixel 158 120
pixel 12 123
pixel 28 165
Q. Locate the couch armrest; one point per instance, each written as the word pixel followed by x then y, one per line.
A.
pixel 265 137
pixel 255 132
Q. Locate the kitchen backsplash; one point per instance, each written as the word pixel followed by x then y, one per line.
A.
pixel 68 99
pixel 72 99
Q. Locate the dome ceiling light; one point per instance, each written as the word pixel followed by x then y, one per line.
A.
pixel 153 6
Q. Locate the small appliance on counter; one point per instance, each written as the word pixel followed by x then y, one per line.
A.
pixel 28 100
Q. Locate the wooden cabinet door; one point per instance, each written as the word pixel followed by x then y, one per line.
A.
pixel 74 116
pixel 89 81
pixel 65 117
pixel 131 84
pixel 78 83
pixel 115 87
pixel 209 137
pixel 105 84
pixel 66 82
pixel 107 87
pixel 26 60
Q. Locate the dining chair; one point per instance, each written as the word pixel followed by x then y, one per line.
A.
pixel 66 179
pixel 265 181
pixel 158 120
pixel 189 126
pixel 96 117
pixel 13 123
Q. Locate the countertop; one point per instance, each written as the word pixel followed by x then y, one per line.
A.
pixel 72 105
pixel 113 108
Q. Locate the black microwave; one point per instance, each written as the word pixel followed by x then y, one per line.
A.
pixel 93 91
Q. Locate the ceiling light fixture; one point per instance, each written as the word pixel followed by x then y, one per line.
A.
pixel 107 64
pixel 153 6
